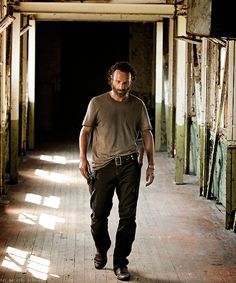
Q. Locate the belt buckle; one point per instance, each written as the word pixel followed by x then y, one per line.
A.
pixel 118 161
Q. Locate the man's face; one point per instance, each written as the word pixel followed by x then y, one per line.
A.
pixel 121 83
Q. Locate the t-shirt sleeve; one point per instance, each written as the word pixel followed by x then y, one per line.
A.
pixel 91 114
pixel 145 123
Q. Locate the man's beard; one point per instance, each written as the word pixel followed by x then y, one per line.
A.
pixel 120 93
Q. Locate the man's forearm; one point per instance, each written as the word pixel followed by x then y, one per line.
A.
pixel 83 144
pixel 148 143
pixel 83 148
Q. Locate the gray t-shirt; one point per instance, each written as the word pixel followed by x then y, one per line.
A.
pixel 116 126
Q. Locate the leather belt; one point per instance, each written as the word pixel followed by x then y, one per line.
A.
pixel 124 159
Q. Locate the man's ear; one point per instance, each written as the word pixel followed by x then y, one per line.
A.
pixel 110 80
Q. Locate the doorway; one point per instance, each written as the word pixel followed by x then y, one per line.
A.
pixel 72 59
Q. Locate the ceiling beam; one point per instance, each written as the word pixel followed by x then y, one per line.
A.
pixel 128 1
pixel 94 11
pixel 97 17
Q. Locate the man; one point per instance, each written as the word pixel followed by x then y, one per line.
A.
pixel 114 119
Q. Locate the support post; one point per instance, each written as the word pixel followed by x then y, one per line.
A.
pixel 203 123
pixel 188 108
pixel 180 101
pixel 15 83
pixel 24 90
pixel 222 98
pixel 171 92
pixel 3 109
pixel 31 82
pixel 231 118
pixel 230 222
pixel 230 188
pixel 159 86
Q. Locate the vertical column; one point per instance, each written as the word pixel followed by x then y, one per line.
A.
pixel 234 105
pixel 231 118
pixel 3 105
pixel 203 121
pixel 24 90
pixel 15 83
pixel 230 217
pixel 180 101
pixel 159 85
pixel 219 120
pixel 31 81
pixel 188 120
pixel 171 89
pixel 231 138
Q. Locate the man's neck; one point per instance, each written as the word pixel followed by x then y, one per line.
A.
pixel 117 97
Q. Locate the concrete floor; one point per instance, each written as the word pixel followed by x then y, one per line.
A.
pixel 45 229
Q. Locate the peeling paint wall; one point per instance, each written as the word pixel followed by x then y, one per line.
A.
pixel 194 149
pixel 213 69
pixel 219 176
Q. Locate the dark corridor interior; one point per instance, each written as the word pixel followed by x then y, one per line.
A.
pixel 72 59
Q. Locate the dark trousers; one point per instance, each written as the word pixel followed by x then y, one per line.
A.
pixel 125 181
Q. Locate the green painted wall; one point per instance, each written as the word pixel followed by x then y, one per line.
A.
pixel 14 151
pixel 160 127
pixel 180 153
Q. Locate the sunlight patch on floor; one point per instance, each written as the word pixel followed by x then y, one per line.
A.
pixel 22 261
pixel 51 176
pixel 51 201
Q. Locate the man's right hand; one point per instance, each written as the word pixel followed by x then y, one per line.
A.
pixel 85 168
pixel 84 138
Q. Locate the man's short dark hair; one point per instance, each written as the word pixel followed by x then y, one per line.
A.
pixel 122 66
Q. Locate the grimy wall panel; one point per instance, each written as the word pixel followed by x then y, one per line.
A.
pixel 211 18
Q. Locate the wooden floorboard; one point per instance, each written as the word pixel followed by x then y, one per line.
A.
pixel 45 229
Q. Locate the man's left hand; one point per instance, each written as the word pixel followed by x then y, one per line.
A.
pixel 149 176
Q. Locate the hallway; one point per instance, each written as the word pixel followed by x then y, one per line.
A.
pixel 45 230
